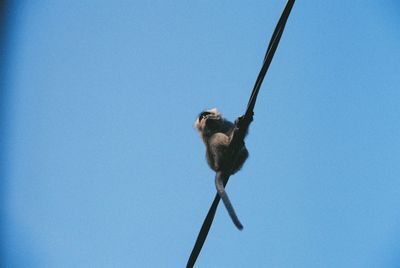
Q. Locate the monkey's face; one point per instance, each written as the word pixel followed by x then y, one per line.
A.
pixel 208 120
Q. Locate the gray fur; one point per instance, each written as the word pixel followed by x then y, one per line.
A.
pixel 216 133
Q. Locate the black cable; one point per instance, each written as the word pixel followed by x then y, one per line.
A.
pixel 272 46
pixel 205 228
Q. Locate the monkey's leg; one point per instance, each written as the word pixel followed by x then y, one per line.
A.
pixel 219 184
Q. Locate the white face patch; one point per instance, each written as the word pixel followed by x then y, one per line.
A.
pixel 215 112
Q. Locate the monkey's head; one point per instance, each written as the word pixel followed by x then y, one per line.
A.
pixel 209 122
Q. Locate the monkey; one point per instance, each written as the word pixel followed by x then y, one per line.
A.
pixel 217 133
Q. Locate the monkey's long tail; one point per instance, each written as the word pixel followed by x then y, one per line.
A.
pixel 219 184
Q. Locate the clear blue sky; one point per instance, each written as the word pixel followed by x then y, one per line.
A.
pixel 102 166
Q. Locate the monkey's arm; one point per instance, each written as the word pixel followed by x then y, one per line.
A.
pixel 219 184
pixel 240 130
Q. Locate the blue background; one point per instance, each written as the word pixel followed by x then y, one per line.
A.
pixel 102 166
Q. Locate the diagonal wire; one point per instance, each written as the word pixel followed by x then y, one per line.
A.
pixel 205 228
pixel 272 46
